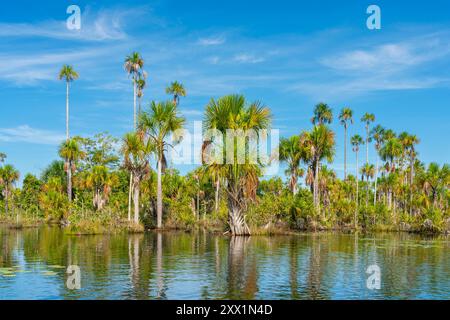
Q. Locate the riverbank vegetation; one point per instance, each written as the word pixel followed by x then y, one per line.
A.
pixel 105 184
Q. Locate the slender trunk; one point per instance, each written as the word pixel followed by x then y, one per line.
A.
pixel 130 196
pixel 217 195
pixel 316 181
pixel 69 181
pixel 345 152
pixel 159 194
pixel 198 205
pixel 411 180
pixel 136 201
pixel 6 199
pixel 294 185
pixel 134 104
pixel 367 144
pixel 357 194
pixel 376 179
pixel 67 111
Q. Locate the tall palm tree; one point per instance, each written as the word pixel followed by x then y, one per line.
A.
pixel 292 153
pixel 322 114
pixel 233 112
pixel 8 176
pixel 356 141
pixel 68 74
pixel 158 123
pixel 345 117
pixel 409 142
pixel 136 150
pixel 133 66
pixel 70 150
pixel 177 90
pixel 390 152
pixel 367 118
pixel 319 144
pixel 377 135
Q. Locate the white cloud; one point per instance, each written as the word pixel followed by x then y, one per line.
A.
pixel 25 133
pixel 247 58
pixel 103 25
pixel 212 41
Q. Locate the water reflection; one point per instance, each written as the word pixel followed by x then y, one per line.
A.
pixel 203 266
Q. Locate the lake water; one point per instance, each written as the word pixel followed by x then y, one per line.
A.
pixel 179 265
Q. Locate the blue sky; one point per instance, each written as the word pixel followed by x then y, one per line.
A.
pixel 288 54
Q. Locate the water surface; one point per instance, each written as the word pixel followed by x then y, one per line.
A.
pixel 203 266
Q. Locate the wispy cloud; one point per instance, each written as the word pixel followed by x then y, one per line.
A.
pixel 25 133
pixel 212 41
pixel 107 24
pixel 247 58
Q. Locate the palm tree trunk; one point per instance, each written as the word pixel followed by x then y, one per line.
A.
pixel 345 152
pixel 411 179
pixel 367 144
pixel 130 196
pixel 67 111
pixel 376 178
pixel 69 181
pixel 136 201
pixel 159 194
pixel 236 217
pixel 217 195
pixel 357 194
pixel 134 104
pixel 6 199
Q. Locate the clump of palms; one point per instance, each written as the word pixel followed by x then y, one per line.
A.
pixel 292 153
pixel 158 123
pixel 377 135
pixel 233 112
pixel 70 150
pixel 136 150
pixel 8 177
pixel 319 144
pixel 68 74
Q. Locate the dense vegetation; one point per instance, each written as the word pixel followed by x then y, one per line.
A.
pixel 99 187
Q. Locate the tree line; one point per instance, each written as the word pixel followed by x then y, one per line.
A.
pixel 96 185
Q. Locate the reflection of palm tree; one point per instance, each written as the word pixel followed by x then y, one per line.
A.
pixel 161 294
pixel 236 266
pixel 293 264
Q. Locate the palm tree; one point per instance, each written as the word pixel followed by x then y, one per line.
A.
pixel 389 152
pixel 377 134
pixel 136 151
pixel 322 114
pixel 356 141
pixel 435 181
pixel 133 65
pixel 100 180
pixel 367 118
pixel 319 144
pixel 409 142
pixel 158 123
pixel 68 74
pixel 367 171
pixel 140 86
pixel 177 90
pixel 70 150
pixel 8 176
pixel 233 112
pixel 292 153
pixel 2 157
pixel 346 117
